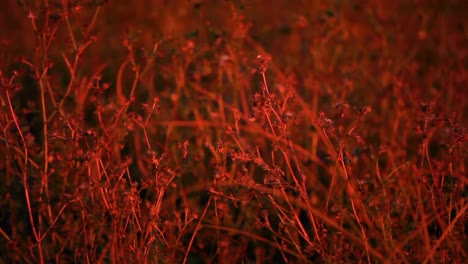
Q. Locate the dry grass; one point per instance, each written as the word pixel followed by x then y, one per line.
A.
pixel 233 132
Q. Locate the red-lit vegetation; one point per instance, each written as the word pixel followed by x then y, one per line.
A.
pixel 233 132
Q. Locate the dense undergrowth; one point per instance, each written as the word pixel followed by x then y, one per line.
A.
pixel 233 132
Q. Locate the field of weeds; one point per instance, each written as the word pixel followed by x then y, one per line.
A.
pixel 233 131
